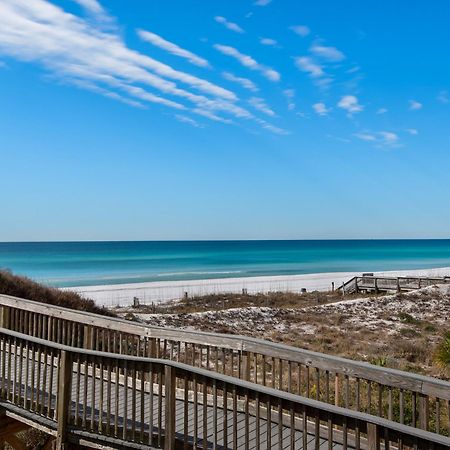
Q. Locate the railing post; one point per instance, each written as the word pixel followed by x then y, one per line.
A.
pixel 373 437
pixel 88 335
pixel 245 366
pixel 63 397
pixel 4 317
pixel 170 385
pixel 424 412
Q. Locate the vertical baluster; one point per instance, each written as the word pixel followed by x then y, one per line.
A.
pixel 214 393
pixel 85 392
pixel 50 383
pixel 108 395
pixel 142 404
pixel 186 412
pixel 195 411
pixel 151 398
pixel 93 389
pixel 160 395
pixel 269 423
pixel 133 401
pixel 225 415
pixel 125 400
pixel 100 401
pixel 280 425
pixel 205 414
pixel 77 389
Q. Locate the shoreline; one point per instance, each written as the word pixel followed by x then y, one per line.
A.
pixel 165 291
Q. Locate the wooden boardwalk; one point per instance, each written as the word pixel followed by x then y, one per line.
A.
pixel 377 284
pixel 224 428
pixel 197 396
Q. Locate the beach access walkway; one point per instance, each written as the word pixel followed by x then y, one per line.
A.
pixel 377 284
pixel 101 382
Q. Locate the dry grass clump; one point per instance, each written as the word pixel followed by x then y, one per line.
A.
pixel 399 331
pixel 219 302
pixel 23 287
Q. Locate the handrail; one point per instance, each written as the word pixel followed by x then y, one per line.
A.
pixel 390 377
pixel 398 283
pixel 74 362
pixel 329 378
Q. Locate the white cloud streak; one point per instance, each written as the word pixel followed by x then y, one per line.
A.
pixel 350 104
pixel 415 105
pixel 188 120
pixel 380 138
pixel 248 61
pixel 259 104
pixel 244 82
pixel 269 42
pixel 443 97
pixel 230 25
pixel 320 109
pixel 79 52
pixel 172 48
pixel 331 54
pixel 301 30
pixel 290 96
pixel 262 2
pixel 307 64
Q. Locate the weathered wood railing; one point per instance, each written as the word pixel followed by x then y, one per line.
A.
pixel 407 398
pixel 383 284
pixel 105 399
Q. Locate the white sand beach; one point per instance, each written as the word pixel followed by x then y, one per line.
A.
pixel 164 291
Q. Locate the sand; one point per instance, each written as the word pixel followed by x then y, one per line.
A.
pixel 164 291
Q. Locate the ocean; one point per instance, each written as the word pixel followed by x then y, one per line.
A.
pixel 66 264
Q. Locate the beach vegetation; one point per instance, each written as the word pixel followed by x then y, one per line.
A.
pixel 442 355
pixel 19 286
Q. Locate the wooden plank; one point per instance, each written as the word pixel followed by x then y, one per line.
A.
pixel 64 397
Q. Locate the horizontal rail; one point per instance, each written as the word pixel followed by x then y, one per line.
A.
pixel 384 283
pixel 85 401
pixel 405 397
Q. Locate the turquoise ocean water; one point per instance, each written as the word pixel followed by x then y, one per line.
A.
pixel 91 263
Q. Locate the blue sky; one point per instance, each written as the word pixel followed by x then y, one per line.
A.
pixel 224 120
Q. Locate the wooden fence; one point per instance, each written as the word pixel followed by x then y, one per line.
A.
pixel 409 399
pixel 376 284
pixel 104 399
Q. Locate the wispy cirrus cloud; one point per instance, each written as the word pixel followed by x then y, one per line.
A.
pixel 172 48
pixel 290 96
pixel 414 105
pixel 321 109
pixel 81 52
pixel 262 2
pixel 308 65
pixel 227 24
pixel 301 30
pixel 350 104
pixel 259 104
pixel 248 61
pixel 443 97
pixel 269 42
pixel 380 138
pixel 382 110
pixel 188 120
pixel 331 54
pixel 244 82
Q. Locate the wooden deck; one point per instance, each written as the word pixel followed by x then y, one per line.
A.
pixel 377 284
pixel 102 389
